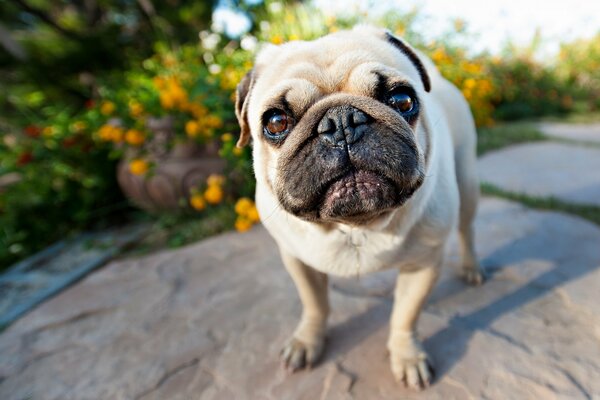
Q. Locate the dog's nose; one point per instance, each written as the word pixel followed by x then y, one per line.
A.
pixel 342 125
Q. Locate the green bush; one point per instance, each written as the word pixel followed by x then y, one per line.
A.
pixel 65 182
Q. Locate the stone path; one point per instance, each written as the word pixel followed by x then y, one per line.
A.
pixel 207 322
pixel 578 132
pixel 44 274
pixel 568 172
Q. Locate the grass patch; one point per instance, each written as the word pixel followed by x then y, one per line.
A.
pixel 176 230
pixel 587 117
pixel 499 136
pixel 591 213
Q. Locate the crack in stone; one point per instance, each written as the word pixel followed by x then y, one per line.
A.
pixel 167 375
pixel 36 359
pixel 73 319
pixel 177 369
pixel 338 369
pixel 509 339
pixel 575 383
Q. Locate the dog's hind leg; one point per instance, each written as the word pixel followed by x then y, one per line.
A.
pixel 468 186
pixel 307 343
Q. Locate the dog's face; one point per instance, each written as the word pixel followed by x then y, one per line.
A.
pixel 335 124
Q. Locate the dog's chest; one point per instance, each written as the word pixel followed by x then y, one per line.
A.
pixel 349 251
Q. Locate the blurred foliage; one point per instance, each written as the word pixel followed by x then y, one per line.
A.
pixel 58 49
pixel 80 80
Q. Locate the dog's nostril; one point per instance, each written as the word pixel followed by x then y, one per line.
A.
pixel 359 118
pixel 326 126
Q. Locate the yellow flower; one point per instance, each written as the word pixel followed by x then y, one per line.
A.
pixel 237 151
pixel 197 202
pixel 78 126
pixel 107 108
pixel 169 60
pixel 243 205
pixel 277 39
pixel 117 134
pixel 166 100
pixel 293 36
pixel 227 137
pixel 242 224
pixel 253 214
pixel 215 180
pixel 213 121
pixel 197 110
pixel 134 137
pixel 48 131
pixel 192 128
pixel 105 133
pixel 469 83
pixel 213 194
pixel 135 109
pixel 138 166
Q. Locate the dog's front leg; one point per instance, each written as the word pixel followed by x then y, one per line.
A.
pixel 307 343
pixel 409 361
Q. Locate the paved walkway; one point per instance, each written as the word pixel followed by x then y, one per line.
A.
pixel 207 322
pixel 569 172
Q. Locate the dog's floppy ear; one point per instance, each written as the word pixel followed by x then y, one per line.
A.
pixel 241 107
pixel 412 56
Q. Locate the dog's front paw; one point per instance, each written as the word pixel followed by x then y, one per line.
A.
pixel 410 363
pixel 297 354
pixel 473 276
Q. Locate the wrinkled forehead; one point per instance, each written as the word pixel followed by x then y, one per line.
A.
pixel 300 73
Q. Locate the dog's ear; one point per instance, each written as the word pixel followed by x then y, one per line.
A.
pixel 412 56
pixel 241 107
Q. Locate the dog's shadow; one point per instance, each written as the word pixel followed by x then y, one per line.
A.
pixel 345 336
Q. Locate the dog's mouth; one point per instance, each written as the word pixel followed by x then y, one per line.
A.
pixel 358 196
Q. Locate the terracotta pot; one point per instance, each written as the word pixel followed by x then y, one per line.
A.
pixel 176 170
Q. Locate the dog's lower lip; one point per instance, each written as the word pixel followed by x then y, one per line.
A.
pixel 354 183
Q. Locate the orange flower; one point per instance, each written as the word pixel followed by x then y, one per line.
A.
pixel 243 224
pixel 136 109
pixel 215 180
pixel 198 202
pixel 277 39
pixel 138 166
pixel 243 205
pixel 135 137
pixel 192 128
pixel 107 108
pixel 253 214
pixel 213 194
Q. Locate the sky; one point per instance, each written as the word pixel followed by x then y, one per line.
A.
pixel 492 22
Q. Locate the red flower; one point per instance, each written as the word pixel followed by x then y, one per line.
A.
pixel 33 131
pixel 90 104
pixel 69 142
pixel 24 159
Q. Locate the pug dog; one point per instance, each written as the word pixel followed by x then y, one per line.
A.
pixel 364 157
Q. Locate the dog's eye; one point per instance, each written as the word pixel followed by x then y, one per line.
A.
pixel 277 123
pixel 403 102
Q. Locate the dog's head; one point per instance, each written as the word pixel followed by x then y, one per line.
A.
pixel 335 122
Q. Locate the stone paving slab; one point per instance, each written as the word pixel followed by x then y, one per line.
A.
pixel 207 322
pixel 568 172
pixel 35 279
pixel 580 132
